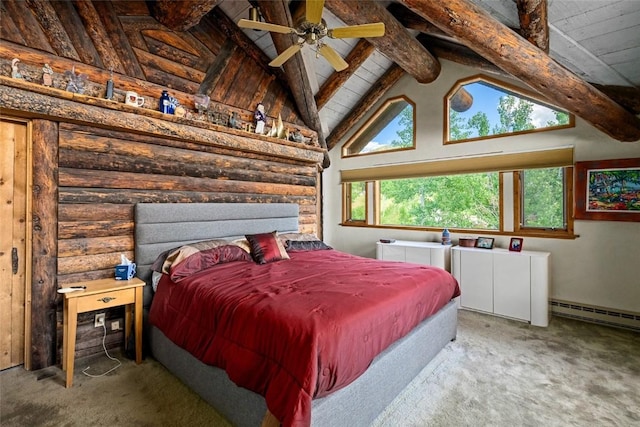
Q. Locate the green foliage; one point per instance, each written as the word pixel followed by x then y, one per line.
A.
pixel 457 201
pixel 405 133
pixel 358 201
pixel 457 127
pixel 479 122
pixel 515 115
pixel 562 118
pixel 543 198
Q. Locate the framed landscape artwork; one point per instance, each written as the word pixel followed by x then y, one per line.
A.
pixel 608 190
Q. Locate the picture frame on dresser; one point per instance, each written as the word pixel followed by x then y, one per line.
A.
pixel 484 242
pixel 515 245
pixel 607 190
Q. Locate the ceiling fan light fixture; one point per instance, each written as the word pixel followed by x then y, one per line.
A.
pixel 254 14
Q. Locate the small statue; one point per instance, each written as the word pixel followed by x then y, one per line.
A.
pixel 260 117
pixel 15 72
pixel 109 92
pixel 76 81
pixel 234 121
pixel 47 75
pixel 296 136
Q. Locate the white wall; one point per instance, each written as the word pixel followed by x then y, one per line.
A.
pixel 601 267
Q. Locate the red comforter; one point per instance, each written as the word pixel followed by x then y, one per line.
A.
pixel 301 328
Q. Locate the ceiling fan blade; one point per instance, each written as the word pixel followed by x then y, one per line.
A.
pixel 332 56
pixel 265 26
pixel 314 11
pixel 284 56
pixel 358 31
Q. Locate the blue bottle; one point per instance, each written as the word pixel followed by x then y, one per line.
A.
pixel 165 103
pixel 446 238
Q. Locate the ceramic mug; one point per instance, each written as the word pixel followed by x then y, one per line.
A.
pixel 132 98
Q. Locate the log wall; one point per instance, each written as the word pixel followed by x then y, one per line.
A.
pixel 94 159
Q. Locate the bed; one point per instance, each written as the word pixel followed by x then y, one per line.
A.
pixel 357 402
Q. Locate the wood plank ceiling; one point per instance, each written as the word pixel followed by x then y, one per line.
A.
pixel 582 56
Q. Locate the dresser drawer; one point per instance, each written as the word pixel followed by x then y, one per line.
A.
pixel 106 300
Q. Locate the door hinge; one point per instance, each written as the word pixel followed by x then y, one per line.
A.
pixel 14 260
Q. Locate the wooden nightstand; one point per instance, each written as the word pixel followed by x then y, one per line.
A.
pixel 99 294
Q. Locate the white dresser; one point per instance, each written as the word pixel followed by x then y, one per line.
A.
pixel 509 284
pixel 426 253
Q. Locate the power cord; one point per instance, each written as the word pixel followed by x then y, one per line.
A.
pixel 104 337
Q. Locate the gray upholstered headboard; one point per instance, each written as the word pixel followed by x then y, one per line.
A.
pixel 162 226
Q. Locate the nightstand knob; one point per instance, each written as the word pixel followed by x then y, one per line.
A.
pixel 106 299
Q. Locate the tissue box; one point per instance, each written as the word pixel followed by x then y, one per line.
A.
pixel 125 271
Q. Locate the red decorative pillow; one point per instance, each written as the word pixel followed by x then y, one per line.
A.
pixel 266 247
pixel 207 258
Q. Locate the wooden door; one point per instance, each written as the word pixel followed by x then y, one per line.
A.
pixel 14 173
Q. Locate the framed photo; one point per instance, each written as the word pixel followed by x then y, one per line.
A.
pixel 516 244
pixel 484 242
pixel 608 190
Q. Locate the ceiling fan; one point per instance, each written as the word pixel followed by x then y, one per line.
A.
pixel 311 29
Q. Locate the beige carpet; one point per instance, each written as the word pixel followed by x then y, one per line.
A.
pixel 497 373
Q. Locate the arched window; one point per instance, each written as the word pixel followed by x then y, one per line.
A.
pixel 391 128
pixel 480 107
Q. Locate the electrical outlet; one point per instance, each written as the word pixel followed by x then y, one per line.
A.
pixel 115 325
pixel 99 320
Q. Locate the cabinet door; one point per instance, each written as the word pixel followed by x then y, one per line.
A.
pixel 418 255
pixel 393 253
pixel 476 280
pixel 512 286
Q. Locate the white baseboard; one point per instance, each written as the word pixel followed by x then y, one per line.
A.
pixel 595 314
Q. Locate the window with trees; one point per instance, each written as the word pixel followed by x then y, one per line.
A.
pixel 468 202
pixel 480 107
pixel 525 193
pixel 391 128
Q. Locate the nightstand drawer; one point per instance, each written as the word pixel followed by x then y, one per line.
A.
pixel 106 300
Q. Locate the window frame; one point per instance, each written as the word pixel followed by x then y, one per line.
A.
pixel 372 190
pixel 347 208
pixel 505 87
pixel 376 115
pixel 518 197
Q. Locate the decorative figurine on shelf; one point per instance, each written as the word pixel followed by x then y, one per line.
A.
pixel 164 104
pixel 260 117
pixel 296 136
pixel 47 75
pixel 76 81
pixel 109 92
pixel 234 121
pixel 201 102
pixel 15 72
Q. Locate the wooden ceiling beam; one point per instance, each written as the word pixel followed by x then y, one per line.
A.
pixel 397 44
pixel 180 15
pixel 376 92
pixel 362 50
pixel 277 12
pixel 460 54
pixel 627 96
pixel 534 24
pixel 413 21
pixel 515 55
pixel 218 19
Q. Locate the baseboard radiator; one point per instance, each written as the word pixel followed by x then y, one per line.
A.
pixel 594 314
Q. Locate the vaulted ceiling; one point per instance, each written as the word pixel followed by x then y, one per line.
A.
pixel 583 56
